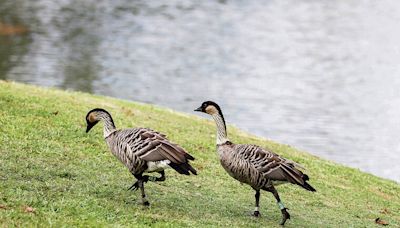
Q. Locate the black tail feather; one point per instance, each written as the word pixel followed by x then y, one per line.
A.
pixel 308 187
pixel 179 169
pixel 192 170
pixel 293 176
pixel 189 157
pixel 183 168
pixel 188 167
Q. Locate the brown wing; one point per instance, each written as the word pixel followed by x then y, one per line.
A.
pixel 275 167
pixel 157 147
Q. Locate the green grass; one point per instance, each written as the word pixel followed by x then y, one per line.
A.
pixel 49 163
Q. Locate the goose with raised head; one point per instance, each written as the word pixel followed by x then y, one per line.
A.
pixel 141 150
pixel 260 168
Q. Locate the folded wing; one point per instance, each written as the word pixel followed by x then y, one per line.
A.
pixel 274 167
pixel 156 147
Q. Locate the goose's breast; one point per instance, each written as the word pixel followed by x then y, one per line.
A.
pixel 234 167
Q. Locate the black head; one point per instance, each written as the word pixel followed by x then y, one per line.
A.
pixel 209 107
pixel 92 117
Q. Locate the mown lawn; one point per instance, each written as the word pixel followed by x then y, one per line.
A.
pixel 54 174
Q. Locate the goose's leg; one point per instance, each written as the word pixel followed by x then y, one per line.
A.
pixel 140 184
pixel 285 214
pixel 144 199
pixel 145 178
pixel 135 186
pixel 256 210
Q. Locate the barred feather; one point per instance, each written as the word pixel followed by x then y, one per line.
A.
pixel 252 164
pixel 142 149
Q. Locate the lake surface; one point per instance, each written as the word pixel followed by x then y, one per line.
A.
pixel 323 76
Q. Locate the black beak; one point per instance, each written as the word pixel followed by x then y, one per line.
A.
pixel 199 109
pixel 89 126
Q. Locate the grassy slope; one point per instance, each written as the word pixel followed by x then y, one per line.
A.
pixel 48 162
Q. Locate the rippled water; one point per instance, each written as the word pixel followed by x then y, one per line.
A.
pixel 320 75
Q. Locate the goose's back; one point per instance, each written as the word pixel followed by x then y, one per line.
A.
pixel 139 148
pixel 125 144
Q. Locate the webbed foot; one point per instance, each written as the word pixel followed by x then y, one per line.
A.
pixel 146 203
pixel 285 216
pixel 135 186
pixel 256 214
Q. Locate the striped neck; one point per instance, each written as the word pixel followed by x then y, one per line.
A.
pixel 109 126
pixel 221 128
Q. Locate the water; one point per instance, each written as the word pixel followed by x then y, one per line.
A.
pixel 323 76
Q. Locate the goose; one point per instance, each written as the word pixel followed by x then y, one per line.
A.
pixel 141 150
pixel 250 164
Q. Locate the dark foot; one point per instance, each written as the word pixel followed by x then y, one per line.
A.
pixel 285 216
pixel 146 203
pixel 256 214
pixel 135 186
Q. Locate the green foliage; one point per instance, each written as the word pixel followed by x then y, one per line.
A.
pixel 69 178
